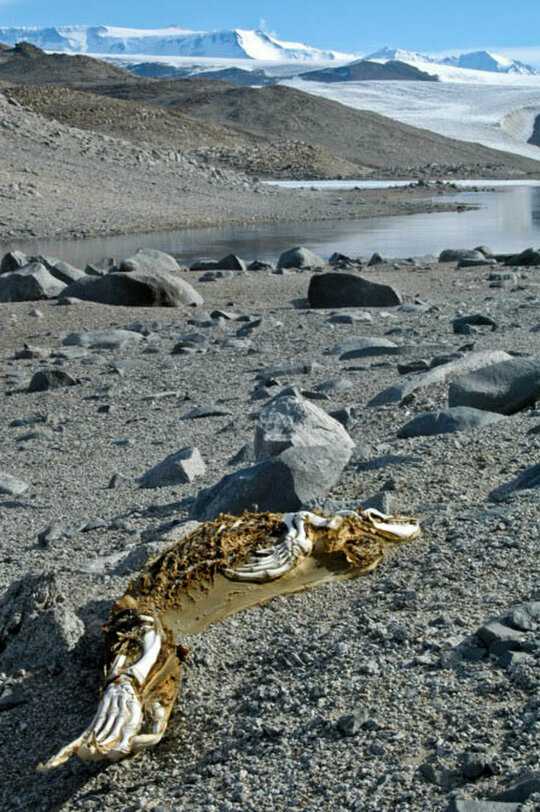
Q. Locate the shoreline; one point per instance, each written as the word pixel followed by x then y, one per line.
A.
pixel 298 205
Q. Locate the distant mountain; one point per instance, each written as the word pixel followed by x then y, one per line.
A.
pixel 365 71
pixel 234 43
pixel 475 60
pixel 489 61
pixel 235 76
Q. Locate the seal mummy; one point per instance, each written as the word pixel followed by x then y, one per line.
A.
pixel 222 567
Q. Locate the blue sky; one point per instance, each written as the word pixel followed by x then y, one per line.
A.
pixel 351 25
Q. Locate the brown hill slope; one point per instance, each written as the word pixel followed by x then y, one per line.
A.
pixel 30 65
pixel 278 112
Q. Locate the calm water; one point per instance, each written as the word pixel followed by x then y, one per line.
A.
pixel 508 220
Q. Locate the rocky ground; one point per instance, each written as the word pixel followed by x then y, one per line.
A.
pixel 369 695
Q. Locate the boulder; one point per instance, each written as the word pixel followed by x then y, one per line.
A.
pixel 148 260
pixel 507 387
pixel 439 374
pixel 460 324
pixel 476 263
pixel 458 254
pixel 525 481
pixel 30 284
pixel 177 469
pixel 376 259
pixel 62 271
pixel 300 257
pixel 448 421
pixel 350 290
pixel 232 263
pixel 369 346
pixel 135 289
pixel 47 379
pixel 528 258
pixel 13 261
pixel 102 339
pixel 282 483
pixel 289 420
pixel 204 265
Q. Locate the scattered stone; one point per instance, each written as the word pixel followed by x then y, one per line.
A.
pixel 102 339
pixel 461 324
pixel 507 387
pixel 287 370
pixel 47 379
pixel 11 486
pixel 300 257
pixel 447 421
pixel 350 318
pixel 459 805
pixel 368 347
pixel 257 265
pixel 206 411
pixel 350 290
pixel 177 469
pixel 522 791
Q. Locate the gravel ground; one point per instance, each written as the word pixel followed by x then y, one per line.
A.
pixel 259 725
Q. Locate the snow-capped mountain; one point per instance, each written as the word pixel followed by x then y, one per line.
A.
pixel 486 61
pixel 489 61
pixel 235 43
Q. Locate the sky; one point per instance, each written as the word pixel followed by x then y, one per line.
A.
pixel 347 25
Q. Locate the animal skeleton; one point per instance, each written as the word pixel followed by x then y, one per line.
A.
pixel 220 568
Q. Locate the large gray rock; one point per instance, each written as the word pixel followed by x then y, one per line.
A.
pixel 102 339
pixel 148 260
pixel 522 791
pixel 369 346
pixel 135 289
pixel 281 483
pixel 439 374
pixel 448 421
pixel 507 387
pixel 12 261
pixel 289 420
pixel 458 254
pixel 176 469
pixel 525 481
pixel 63 271
pixel 232 263
pixel 300 257
pixel 350 290
pixel 30 284
pixel 11 486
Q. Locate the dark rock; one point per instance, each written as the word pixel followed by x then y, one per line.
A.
pixel 448 421
pixel 476 263
pixel 350 318
pixel 407 367
pixel 461 805
pixel 287 370
pixel 351 724
pixel 525 481
pixel 257 265
pixel 47 379
pixel 135 289
pixel 345 416
pixel 338 260
pixel 232 263
pixel 528 258
pixel 177 469
pixel 522 791
pixel 13 261
pixel 476 320
pixel 100 268
pixel 282 483
pixel 349 290
pixel 300 257
pixel 206 411
pixel 376 259
pixel 31 283
pixel 507 387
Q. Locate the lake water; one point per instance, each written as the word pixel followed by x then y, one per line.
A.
pixel 508 219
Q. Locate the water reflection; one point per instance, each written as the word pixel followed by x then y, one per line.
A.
pixel 508 220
